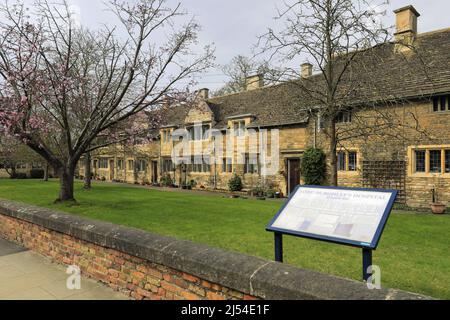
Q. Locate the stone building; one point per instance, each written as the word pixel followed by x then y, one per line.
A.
pixel 406 105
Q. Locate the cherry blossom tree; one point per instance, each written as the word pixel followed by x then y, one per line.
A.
pixel 77 88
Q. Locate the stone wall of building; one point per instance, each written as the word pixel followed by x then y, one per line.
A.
pixel 409 125
pixel 148 266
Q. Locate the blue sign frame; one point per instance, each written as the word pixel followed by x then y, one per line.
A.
pixel 375 241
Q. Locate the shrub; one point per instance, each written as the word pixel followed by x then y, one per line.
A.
pixel 235 183
pixel 166 181
pixel 37 174
pixel 19 175
pixel 314 166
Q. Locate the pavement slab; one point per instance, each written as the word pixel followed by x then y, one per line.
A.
pixel 25 275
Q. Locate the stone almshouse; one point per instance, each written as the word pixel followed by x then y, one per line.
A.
pixel 412 77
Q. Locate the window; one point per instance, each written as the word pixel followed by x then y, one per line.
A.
pixel 239 128
pixel 352 161
pixel 37 165
pixel 199 133
pixel 441 104
pixel 227 165
pixel 447 161
pixel 166 135
pixel 347 161
pixel 342 163
pixel 420 161
pixel 167 165
pixel 344 117
pixel 251 163
pixel 200 164
pixel 435 161
pixel 119 164
pixel 130 165
pixel 21 165
pixel 103 163
pixel 141 165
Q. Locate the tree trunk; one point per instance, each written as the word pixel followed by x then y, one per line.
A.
pixel 333 154
pixel 87 171
pixel 66 179
pixel 46 168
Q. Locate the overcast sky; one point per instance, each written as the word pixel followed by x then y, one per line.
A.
pixel 233 25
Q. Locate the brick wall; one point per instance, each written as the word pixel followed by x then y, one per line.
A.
pixel 148 266
pixel 136 277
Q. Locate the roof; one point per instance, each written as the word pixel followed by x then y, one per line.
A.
pixel 386 75
pixel 381 74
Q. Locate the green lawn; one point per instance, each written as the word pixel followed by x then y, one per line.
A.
pixel 414 252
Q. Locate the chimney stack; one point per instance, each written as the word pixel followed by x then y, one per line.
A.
pixel 203 93
pixel 406 23
pixel 254 82
pixel 306 70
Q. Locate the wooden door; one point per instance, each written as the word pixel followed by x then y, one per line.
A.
pixel 154 171
pixel 293 174
pixel 111 170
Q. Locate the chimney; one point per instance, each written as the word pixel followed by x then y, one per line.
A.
pixel 254 82
pixel 203 93
pixel 306 70
pixel 406 23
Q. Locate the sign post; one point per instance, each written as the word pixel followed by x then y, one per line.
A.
pixel 349 216
pixel 278 247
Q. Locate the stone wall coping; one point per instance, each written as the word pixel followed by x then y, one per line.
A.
pixel 251 275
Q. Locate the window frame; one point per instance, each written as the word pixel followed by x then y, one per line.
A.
pixel 227 165
pixel 252 168
pixel 130 165
pixel 443 160
pixel 101 162
pixel 120 164
pixel 347 167
pixel 441 104
pixel 344 116
pixel 424 153
pixel 239 128
pixel 167 165
pixel 141 165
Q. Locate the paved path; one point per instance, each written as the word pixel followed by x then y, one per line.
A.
pixel 179 190
pixel 25 275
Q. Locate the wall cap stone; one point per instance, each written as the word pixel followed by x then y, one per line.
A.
pixel 251 275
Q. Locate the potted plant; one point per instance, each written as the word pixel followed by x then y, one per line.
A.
pixel 436 207
pixel 270 194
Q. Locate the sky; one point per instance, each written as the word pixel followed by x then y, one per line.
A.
pixel 233 25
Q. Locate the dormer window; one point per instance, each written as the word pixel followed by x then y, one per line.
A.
pixel 166 136
pixel 239 128
pixel 441 104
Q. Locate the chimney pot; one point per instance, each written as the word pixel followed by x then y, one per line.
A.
pixel 306 70
pixel 254 82
pixel 203 93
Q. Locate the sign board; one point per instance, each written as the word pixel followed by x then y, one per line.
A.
pixel 350 216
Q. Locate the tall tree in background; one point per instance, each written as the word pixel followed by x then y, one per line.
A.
pixel 77 87
pixel 237 71
pixel 330 34
pixel 14 153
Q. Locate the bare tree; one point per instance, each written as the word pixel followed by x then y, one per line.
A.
pixel 332 35
pixel 237 71
pixel 76 87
